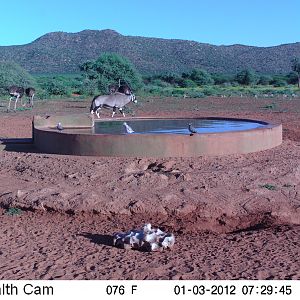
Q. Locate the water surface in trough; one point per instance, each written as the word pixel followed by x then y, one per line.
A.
pixel 175 126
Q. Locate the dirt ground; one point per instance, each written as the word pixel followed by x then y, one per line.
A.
pixel 234 217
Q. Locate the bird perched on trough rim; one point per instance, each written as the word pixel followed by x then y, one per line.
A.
pixel 192 130
pixel 128 128
pixel 59 126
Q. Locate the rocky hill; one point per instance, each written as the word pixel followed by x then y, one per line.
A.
pixel 61 52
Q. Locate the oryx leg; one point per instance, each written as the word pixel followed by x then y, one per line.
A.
pixel 97 111
pixel 114 111
pixel 121 111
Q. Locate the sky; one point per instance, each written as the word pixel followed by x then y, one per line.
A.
pixel 254 22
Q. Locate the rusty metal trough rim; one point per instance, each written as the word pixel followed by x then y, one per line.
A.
pixel 48 139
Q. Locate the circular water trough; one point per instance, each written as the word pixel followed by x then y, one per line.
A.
pixel 153 137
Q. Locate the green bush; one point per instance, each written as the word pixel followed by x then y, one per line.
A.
pixel 160 83
pixel 13 74
pixel 284 91
pixel 152 89
pixel 108 69
pixel 187 83
pixel 199 76
pixel 296 68
pixel 87 87
pixel 265 79
pixel 247 77
pixel 234 83
pixel 279 83
pixel 211 91
pixel 292 78
pixel 222 78
pixel 279 80
pixel 194 94
pixel 167 92
pixel 177 93
pixel 53 86
pixel 12 211
pixel 170 78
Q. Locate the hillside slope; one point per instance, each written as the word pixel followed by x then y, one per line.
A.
pixel 61 52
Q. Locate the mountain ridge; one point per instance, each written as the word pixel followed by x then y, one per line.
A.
pixel 62 52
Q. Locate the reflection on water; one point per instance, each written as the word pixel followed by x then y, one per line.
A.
pixel 174 126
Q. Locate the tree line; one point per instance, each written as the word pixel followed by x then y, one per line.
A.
pixel 109 68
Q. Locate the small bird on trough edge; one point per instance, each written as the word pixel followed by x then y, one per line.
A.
pixel 59 126
pixel 192 130
pixel 128 128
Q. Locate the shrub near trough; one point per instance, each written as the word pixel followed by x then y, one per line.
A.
pixel 13 74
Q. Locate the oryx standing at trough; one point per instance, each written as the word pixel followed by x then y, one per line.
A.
pixel 30 92
pixel 114 101
pixel 17 93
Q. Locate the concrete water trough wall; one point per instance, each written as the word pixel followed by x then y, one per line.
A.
pixel 78 138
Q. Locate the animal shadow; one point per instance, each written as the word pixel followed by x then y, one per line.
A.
pixel 99 239
pixel 18 145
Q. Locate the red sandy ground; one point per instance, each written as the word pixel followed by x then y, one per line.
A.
pixel 227 225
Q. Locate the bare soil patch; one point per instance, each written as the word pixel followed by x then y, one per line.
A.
pixel 234 217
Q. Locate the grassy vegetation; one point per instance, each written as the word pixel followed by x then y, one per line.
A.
pixel 194 84
pixel 223 91
pixel 269 187
pixel 13 211
pixel 197 84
